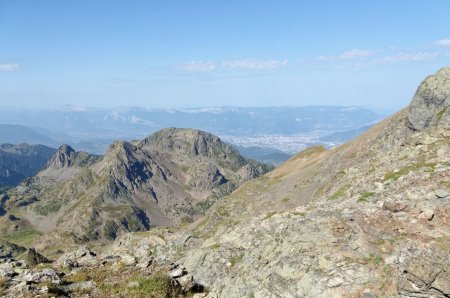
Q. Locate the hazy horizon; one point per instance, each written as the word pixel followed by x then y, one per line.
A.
pixel 384 112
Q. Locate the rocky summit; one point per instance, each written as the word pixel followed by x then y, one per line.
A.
pixel 366 219
pixel 169 178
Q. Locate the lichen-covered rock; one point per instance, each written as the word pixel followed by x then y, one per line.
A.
pixel 83 256
pixel 395 206
pixel 426 274
pixel 45 275
pixel 431 104
pixel 441 193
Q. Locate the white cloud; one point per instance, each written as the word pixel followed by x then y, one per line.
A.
pixel 198 66
pixel 356 53
pixel 348 55
pixel 399 57
pixel 245 64
pixel 253 64
pixel 9 67
pixel 326 58
pixel 387 59
pixel 443 42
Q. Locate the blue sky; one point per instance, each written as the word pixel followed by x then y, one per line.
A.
pixel 219 53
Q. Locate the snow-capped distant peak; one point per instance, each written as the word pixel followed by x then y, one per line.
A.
pixel 202 110
pixel 137 120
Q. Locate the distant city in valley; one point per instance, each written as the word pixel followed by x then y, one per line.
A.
pixel 280 131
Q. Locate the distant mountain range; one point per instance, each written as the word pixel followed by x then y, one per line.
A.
pixel 264 154
pixel 18 134
pixel 340 137
pixel 289 129
pixel 237 121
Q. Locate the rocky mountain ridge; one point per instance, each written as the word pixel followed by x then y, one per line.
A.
pixel 169 178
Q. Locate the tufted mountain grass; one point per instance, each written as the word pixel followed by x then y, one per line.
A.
pixel 340 192
pixel 365 196
pixel 406 170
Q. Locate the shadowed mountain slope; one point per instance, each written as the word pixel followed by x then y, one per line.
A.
pixel 18 134
pixel 18 162
pixel 168 178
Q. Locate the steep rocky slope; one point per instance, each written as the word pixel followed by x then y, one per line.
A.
pixel 367 219
pixel 370 216
pixel 18 162
pixel 168 178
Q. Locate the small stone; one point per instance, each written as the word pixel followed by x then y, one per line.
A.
pixel 7 272
pixel 81 257
pixel 441 193
pixel 145 262
pixel 44 290
pixel 133 284
pixel 20 287
pixel 69 263
pixel 368 294
pixel 110 259
pixel 427 214
pixel 32 277
pixel 81 286
pixel 44 275
pixel 177 272
pixel 394 206
pixel 187 282
pixel 325 264
pixel 335 282
pixel 390 260
pixel 128 260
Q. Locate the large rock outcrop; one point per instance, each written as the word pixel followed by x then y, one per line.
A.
pixel 430 105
